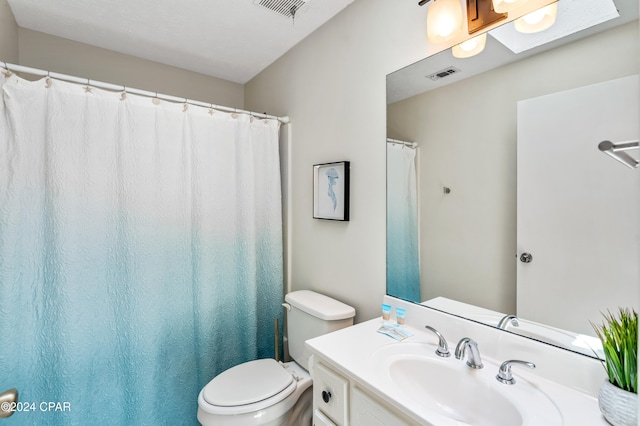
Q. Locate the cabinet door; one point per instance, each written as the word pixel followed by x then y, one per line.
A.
pixel 365 411
pixel 319 419
pixel 331 394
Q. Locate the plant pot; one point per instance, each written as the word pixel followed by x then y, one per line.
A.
pixel 619 407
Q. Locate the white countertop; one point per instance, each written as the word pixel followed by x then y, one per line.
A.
pixel 349 352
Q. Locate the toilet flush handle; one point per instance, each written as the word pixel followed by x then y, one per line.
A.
pixel 287 306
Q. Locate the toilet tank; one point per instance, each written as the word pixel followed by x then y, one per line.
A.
pixel 311 315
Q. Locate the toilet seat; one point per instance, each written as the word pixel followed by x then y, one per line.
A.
pixel 248 387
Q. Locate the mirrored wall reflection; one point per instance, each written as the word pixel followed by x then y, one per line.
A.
pixel 403 264
pixel 469 239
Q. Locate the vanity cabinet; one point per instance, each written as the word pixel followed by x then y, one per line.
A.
pixel 365 378
pixel 340 401
pixel 367 411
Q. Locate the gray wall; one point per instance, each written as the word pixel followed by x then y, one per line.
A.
pixel 468 238
pixel 333 86
pixel 30 48
pixel 52 53
pixel 8 34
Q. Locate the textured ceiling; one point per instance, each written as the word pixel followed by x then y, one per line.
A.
pixel 229 39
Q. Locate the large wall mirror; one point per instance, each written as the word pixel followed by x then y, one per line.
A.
pixel 500 206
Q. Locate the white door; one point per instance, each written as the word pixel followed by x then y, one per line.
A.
pixel 578 209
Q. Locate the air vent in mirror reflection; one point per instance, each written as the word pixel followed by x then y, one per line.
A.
pixel 443 73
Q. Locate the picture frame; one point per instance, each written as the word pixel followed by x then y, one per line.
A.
pixel 331 190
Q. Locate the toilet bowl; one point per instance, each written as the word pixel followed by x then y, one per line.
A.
pixel 261 392
pixel 266 392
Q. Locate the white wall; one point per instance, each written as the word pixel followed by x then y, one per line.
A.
pixel 467 137
pixel 333 87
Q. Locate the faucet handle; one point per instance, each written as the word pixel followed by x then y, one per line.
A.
pixel 504 372
pixel 443 348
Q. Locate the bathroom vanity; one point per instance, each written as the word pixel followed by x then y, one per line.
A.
pixel 362 377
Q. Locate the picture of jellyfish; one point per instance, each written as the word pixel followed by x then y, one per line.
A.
pixel 333 176
pixel 331 191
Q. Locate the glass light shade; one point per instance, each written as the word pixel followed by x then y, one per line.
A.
pixel 504 6
pixel 537 21
pixel 471 47
pixel 444 20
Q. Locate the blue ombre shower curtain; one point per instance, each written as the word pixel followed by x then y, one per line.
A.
pixel 140 252
pixel 403 267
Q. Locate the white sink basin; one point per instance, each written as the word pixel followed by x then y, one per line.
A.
pixel 450 392
pixel 455 393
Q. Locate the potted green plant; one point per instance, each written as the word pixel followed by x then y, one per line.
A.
pixel 618 397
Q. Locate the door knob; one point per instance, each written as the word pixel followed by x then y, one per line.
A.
pixel 8 400
pixel 526 258
pixel 326 396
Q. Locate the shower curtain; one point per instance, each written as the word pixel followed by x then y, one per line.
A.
pixel 140 252
pixel 403 270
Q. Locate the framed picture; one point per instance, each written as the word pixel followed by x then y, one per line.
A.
pixel 331 191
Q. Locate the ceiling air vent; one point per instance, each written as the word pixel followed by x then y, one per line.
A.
pixel 443 73
pixel 286 8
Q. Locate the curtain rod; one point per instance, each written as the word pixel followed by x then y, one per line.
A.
pixel 119 87
pixel 411 144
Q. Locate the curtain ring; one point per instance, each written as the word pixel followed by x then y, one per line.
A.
pixel 47 81
pixel 7 72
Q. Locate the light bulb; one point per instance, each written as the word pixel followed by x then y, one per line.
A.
pixel 534 17
pixel 537 21
pixel 504 6
pixel 444 20
pixel 470 47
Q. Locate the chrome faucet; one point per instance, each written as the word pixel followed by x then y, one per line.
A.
pixel 474 360
pixel 504 372
pixel 443 348
pixel 508 319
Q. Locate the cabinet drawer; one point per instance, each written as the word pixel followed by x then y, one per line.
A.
pixel 331 394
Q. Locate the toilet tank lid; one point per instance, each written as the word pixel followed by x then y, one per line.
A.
pixel 319 305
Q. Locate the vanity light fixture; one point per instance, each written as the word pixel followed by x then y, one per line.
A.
pixel 537 21
pixel 444 20
pixel 470 48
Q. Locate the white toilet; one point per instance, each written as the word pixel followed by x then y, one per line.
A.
pixel 266 392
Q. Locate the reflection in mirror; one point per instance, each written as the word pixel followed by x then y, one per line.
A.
pixel 403 268
pixel 469 129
